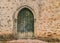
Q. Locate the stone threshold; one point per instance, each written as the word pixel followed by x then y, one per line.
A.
pixel 24 41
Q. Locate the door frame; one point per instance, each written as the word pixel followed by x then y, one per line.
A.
pixel 15 16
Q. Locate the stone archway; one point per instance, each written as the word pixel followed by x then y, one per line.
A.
pixel 25 23
pixel 15 17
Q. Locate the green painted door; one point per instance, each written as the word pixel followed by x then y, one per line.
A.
pixel 25 24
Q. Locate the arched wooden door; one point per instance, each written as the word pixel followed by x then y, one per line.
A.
pixel 25 24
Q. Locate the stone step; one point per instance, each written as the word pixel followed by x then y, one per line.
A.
pixel 24 41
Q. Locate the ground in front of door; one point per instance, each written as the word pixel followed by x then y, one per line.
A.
pixel 24 41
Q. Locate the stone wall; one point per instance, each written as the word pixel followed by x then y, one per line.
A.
pixel 46 16
pixel 49 20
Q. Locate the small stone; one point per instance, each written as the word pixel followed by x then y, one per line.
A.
pixel 8 0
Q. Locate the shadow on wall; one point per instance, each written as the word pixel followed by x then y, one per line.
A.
pixel 7 37
pixel 4 38
pixel 48 39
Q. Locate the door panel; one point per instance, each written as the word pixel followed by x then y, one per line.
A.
pixel 25 24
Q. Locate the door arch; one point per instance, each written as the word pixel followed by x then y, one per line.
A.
pixel 25 23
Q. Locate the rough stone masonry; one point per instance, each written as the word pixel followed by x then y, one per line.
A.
pixel 46 17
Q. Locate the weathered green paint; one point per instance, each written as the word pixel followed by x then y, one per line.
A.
pixel 25 23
